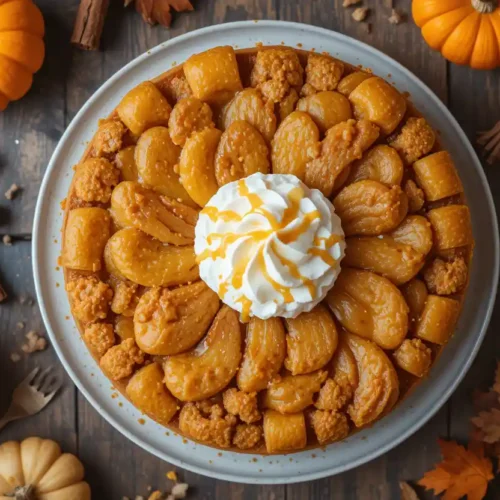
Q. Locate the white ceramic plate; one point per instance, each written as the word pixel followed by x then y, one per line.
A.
pixel 363 446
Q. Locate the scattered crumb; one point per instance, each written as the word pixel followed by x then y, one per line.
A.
pixel 396 17
pixel 172 475
pixel 7 240
pixel 156 495
pixel 24 299
pixel 15 357
pixel 360 14
pixel 179 490
pixel 34 343
pixel 19 325
pixel 125 498
pixel 348 3
pixel 10 193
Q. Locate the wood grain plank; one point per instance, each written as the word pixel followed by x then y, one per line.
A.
pixel 475 102
pixel 56 421
pixel 379 479
pixel 31 127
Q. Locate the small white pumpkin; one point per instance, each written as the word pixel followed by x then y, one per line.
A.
pixel 36 469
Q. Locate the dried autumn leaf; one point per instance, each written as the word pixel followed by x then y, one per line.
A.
pixel 407 492
pixel 485 401
pixel 158 11
pixel 461 473
pixel 489 423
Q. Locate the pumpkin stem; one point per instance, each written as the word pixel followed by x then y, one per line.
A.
pixel 485 6
pixel 23 493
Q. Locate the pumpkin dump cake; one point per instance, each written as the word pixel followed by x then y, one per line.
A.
pixel 266 249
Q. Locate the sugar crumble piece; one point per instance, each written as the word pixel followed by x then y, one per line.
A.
pixel 15 357
pixel 156 495
pixel 19 325
pixel 360 14
pixel 179 490
pixel 349 3
pixel 172 475
pixel 34 343
pixel 7 240
pixel 10 193
pixel 395 17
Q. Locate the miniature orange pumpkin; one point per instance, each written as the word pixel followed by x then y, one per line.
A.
pixel 464 31
pixel 21 48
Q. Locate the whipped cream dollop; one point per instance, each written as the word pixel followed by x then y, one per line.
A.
pixel 269 246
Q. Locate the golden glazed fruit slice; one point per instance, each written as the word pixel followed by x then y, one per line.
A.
pixel 248 105
pixel 147 391
pixel 311 341
pixel 83 225
pixel 295 143
pixel 398 256
pixel 415 293
pixel 208 368
pixel 370 208
pixel 242 151
pixel 264 354
pixel 284 432
pixel 370 306
pixel 197 165
pixel 132 205
pixel 156 157
pixel 134 255
pixel 144 107
pixel 293 393
pixel 381 163
pixel 344 143
pixel 378 388
pixel 171 321
pixel 326 108
pixel 375 100
pixel 351 81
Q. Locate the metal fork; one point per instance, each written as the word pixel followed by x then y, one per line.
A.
pixel 32 395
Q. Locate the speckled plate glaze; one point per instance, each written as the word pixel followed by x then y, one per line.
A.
pixel 411 414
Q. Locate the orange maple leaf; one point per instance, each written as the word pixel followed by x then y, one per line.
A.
pixel 461 473
pixel 158 11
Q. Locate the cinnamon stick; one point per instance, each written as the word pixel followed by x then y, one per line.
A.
pixel 89 24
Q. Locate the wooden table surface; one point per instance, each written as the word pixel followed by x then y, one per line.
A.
pixel 29 132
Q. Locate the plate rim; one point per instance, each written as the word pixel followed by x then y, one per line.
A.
pixel 414 426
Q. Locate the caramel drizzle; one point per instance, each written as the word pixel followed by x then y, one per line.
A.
pixel 285 236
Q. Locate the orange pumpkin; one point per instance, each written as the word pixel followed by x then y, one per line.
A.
pixel 21 48
pixel 464 31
